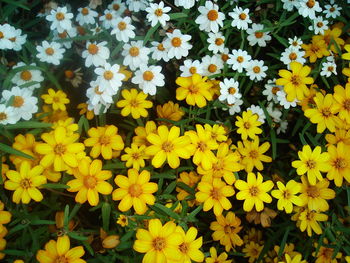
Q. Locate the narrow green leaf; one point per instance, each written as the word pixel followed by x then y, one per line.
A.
pixel 77 236
pixel 150 33
pixel 19 4
pixel 106 213
pixel 27 125
pixel 283 242
pixel 175 16
pixel 42 222
pixel 7 149
pixel 166 211
pixel 66 217
pixel 55 186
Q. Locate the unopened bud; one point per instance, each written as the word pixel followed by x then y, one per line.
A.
pixel 111 241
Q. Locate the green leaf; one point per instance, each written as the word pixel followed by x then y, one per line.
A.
pixel 55 186
pixel 192 216
pixel 42 222
pixel 17 3
pixel 106 213
pixel 175 16
pixel 66 217
pixel 150 33
pixel 14 252
pixel 7 149
pixel 77 236
pixel 27 125
pixel 283 242
pixel 167 211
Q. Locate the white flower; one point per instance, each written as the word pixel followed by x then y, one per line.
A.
pixel 7 32
pixel 98 108
pixel 319 25
pixel 27 76
pixel 282 100
pixel 212 65
pixel 290 4
pixel 308 8
pixel 96 96
pixel 86 16
pixel 332 10
pixel 328 68
pixel 109 78
pixel 18 39
pixel 225 55
pixel 135 54
pixel 50 52
pixel 229 91
pixel 137 5
pixel 96 54
pixel 108 18
pixel 235 107
pixel 159 52
pixel 123 29
pixel 216 42
pixel 177 44
pixel 60 18
pixel 291 54
pixel 256 70
pixel 210 18
pixel 66 35
pixel 149 78
pixel 24 104
pixel 191 67
pixel 295 42
pixel 258 111
pixel 257 37
pixel 8 115
pixel 157 13
pixel 282 127
pixel 271 90
pixel 240 17
pixel 187 4
pixel 274 113
pixel 239 60
pixel 117 6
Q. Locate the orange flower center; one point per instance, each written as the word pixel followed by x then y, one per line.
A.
pixel 116 7
pixel 122 25
pixel 134 51
pixel 275 90
pixel 85 11
pixel 254 154
pixel 158 12
pixel 61 259
pixel 25 183
pixel 319 24
pixel 136 156
pixel 49 51
pixel 26 75
pixel 193 89
pixel 311 164
pixel 340 163
pixel 286 194
pixel 219 41
pixel 3 116
pixel 63 34
pixel 258 34
pixel 240 59
pixel 212 68
pixel 176 42
pixel 90 182
pixel 326 113
pixel 183 248
pixel 134 103
pixel 256 69
pixel 18 101
pixel 247 125
pixel 293 56
pixel 135 190
pixel 242 16
pixel 295 80
pixel 346 104
pixel 104 140
pixel 224 57
pixel 215 193
pixel 193 70
pixel 69 74
pixel 310 3
pixel 332 9
pixel 148 75
pixel 232 90
pixel 312 191
pixel 159 243
pixel 60 149
pixel 202 146
pixel 109 16
pixel 254 191
pixel 1 35
pixel 108 75
pixel 160 47
pixel 59 16
pixel 167 147
pixel 212 15
pixel 97 90
pixel 93 49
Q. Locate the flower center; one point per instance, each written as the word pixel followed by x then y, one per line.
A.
pixel 176 42
pixel 135 190
pixel 158 12
pixel 330 68
pixel 232 90
pixel 332 9
pixel 295 80
pixel 212 15
pixel 26 75
pixel 310 3
pixel 219 41
pixel 183 248
pixel 134 51
pixel 116 7
pixel 104 139
pixel 60 149
pixel 18 101
pixel 212 68
pixel 49 51
pixel 240 59
pixel 59 16
pixel 1 35
pixel 311 164
pixel 56 99
pixel 346 104
pixel 286 194
pixel 228 229
pixel 327 253
pixel 90 182
pixel 109 16
pixel 275 90
pixel 224 57
pixel 202 146
pixel 167 147
pixel 85 11
pixel 258 34
pixel 293 56
pixel 136 156
pixel 312 191
pixel 340 163
pixel 159 243
pixel 160 47
pixel 69 74
pixel 326 112
pixel 242 16
pixel 134 103
pixel 97 90
pixel 319 24
pixel 193 70
pixel 254 191
pixel 254 154
pixel 247 125
pixel 148 75
pixel 63 34
pixel 25 183
pixel 256 69
pixel 3 116
pixel 93 49
pixel 122 25
pixel 108 75
pixel 215 193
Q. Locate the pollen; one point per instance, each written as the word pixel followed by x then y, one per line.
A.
pixel 122 25
pixel 135 190
pixel 212 68
pixel 242 16
pixel 90 182
pixel 26 75
pixel 93 49
pixel 212 15
pixel 148 75
pixel 60 149
pixel 108 75
pixel 158 12
pixel 59 16
pixel 49 51
pixel 18 101
pixel 134 51
pixel 85 11
pixel 176 41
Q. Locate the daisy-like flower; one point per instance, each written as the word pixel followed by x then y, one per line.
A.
pixel 319 25
pixel 157 13
pixel 135 156
pixel 60 251
pixel 248 125
pixel 240 17
pixel 308 8
pixel 291 54
pixel 271 90
pixel 289 5
pixel 25 183
pixel 134 103
pixel 149 78
pixel 255 36
pixel 235 107
pixel 309 221
pixel 256 70
pixel 90 181
pixel 252 251
pixel 286 195
pixel 191 67
pixel 135 54
pixel 170 111
pixel 96 96
pixel 109 77
pixel 60 19
pixel 214 193
pixel 117 6
pixel 339 162
pixel 160 243
pixel 332 10
pixel 18 40
pixel 24 104
pixel 210 19
pixel 282 100
pixel 295 42
pixel 159 52
pixel 190 246
pixel 229 91
pixel 27 76
pixel 239 60
pixel 187 4
pixel 108 18
pixel 7 115
pixel 86 16
pixel 6 33
pixel 123 29
pixel 137 5
pixel 135 191
pixel 56 99
pixel 212 65
pixel 50 52
pixel 316 49
pixel 254 192
pixel 142 132
pixel 95 54
pixel 66 35
pixel 104 140
pixel 328 68
pixel 177 44
pixel 256 109
pixel 216 42
pixel 215 258
pixel 168 145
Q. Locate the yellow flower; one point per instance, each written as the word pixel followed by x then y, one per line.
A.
pixel 83 107
pixel 125 72
pixel 26 144
pixel 190 179
pixel 170 111
pixel 214 258
pixel 263 217
pixel 5 217
pixel 142 132
pixel 226 230
pixel 342 101
pixel 315 196
pixel 252 251
pixel 346 55
pixel 324 113
pixel 309 221
pixel 218 132
pixel 135 103
pixel 339 162
pixel 213 192
pixel 59 149
pixel 312 162
pixel 104 140
pixel 308 101
pixel 325 253
pixel 286 195
pixel 168 145
pixel 57 99
pixel 110 242
pixel 295 259
pixel 68 124
pixel 254 192
pixel 25 183
pixel 134 156
pixel 194 89
pixel 248 125
pixel 203 144
pixel 51 116
pixel 316 49
pixel 122 220
pixel 189 246
pixel 134 191
pixel 340 135
pixel 160 243
pixel 60 251
pixel 331 35
pixel 90 181
pixel 3 233
pixel 294 82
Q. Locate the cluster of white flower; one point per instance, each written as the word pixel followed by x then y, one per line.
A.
pixel 11 38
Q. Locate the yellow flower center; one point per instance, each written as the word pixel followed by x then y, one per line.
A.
pixel 287 194
pixel 258 34
pixel 215 193
pixel 167 147
pixel 319 24
pixel 148 75
pixel 212 15
pixel 109 16
pixel 202 146
pixel 275 90
pixel 193 89
pixel 332 9
pixel 311 164
pixel 346 104
pixel 159 243
pixel 85 11
pixel 26 75
pixel 60 149
pixel 61 259
pixel 135 190
pixel 224 57
pixel 240 59
pixel 212 68
pixel 312 191
pixel 49 51
pixel 134 103
pixel 18 101
pixel 1 35
pixel 232 90
pixel 122 25
pixel 293 56
pixel 90 182
pixel 116 7
pixel 134 51
pixel 256 69
pixel 219 41
pixel 254 191
pixel 97 90
pixel 104 139
pixel 246 125
pixel 193 70
pixel 176 42
pixel 160 47
pixel 63 34
pixel 254 154
pixel 183 248
pixel 108 75
pixel 25 183
pixel 326 112
pixel 136 156
pixel 93 49
pixel 3 116
pixel 158 12
pixel 327 253
pixel 56 99
pixel 59 16
pixel 242 16
pixel 295 80
pixel 310 3
pixel 340 163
